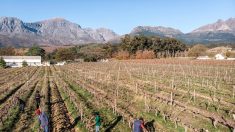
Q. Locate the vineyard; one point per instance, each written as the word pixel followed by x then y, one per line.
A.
pixel 173 94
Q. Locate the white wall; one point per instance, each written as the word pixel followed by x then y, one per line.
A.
pixel 18 62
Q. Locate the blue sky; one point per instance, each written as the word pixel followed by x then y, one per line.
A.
pixel 123 15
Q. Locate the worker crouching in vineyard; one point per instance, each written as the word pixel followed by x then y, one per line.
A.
pixel 97 123
pixel 43 120
pixel 21 104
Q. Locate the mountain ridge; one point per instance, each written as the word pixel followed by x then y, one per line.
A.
pixel 218 32
pixel 59 31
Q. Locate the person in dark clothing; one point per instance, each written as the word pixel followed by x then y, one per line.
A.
pixel 138 125
pixel 150 126
pixel 21 104
pixel 37 99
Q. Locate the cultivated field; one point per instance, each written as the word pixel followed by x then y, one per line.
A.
pixel 177 94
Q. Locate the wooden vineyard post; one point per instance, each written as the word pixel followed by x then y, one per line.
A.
pixel 109 77
pixel 145 102
pixel 85 76
pixel 188 84
pixel 202 82
pixel 185 128
pixel 171 98
pixel 123 119
pixel 130 75
pixel 136 88
pixel 1 120
pixel 118 77
pixel 156 112
pixel 233 91
pixel 160 79
pixel 81 114
pixel 146 77
pixel 164 116
pixel 194 95
pixel 129 122
pixel 155 86
pixel 176 124
pixel 214 95
pixel 115 106
pixel 27 80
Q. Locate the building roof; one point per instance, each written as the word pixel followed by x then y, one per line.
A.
pixel 203 57
pixel 219 54
pixel 21 57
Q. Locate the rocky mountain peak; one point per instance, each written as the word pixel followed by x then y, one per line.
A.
pixel 58 22
pixel 11 24
pixel 107 33
pixel 158 30
pixel 56 31
pixel 219 26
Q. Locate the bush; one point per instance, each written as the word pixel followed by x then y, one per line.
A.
pixel 138 54
pixel 90 59
pixel 122 55
pixel 148 54
pixel 145 54
pixel 24 64
pixel 36 51
pixel 197 50
pixel 2 63
pixel 63 54
pixel 230 54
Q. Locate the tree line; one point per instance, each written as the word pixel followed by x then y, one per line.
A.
pixel 162 47
pixel 130 46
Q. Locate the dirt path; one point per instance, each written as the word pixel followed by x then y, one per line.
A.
pixel 60 120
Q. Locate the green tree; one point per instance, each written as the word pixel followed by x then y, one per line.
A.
pixel 36 51
pixel 2 63
pixel 126 42
pixel 109 50
pixel 24 64
pixel 65 54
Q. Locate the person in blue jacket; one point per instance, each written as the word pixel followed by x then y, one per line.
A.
pixel 138 125
pixel 43 119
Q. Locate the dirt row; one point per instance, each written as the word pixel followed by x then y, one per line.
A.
pixel 26 118
pixel 60 119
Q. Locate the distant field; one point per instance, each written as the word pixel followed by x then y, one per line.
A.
pixel 177 94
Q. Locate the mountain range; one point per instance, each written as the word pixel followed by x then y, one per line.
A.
pixel 58 31
pixel 218 32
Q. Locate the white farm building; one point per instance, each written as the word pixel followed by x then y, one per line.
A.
pixel 203 58
pixel 219 57
pixel 17 61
